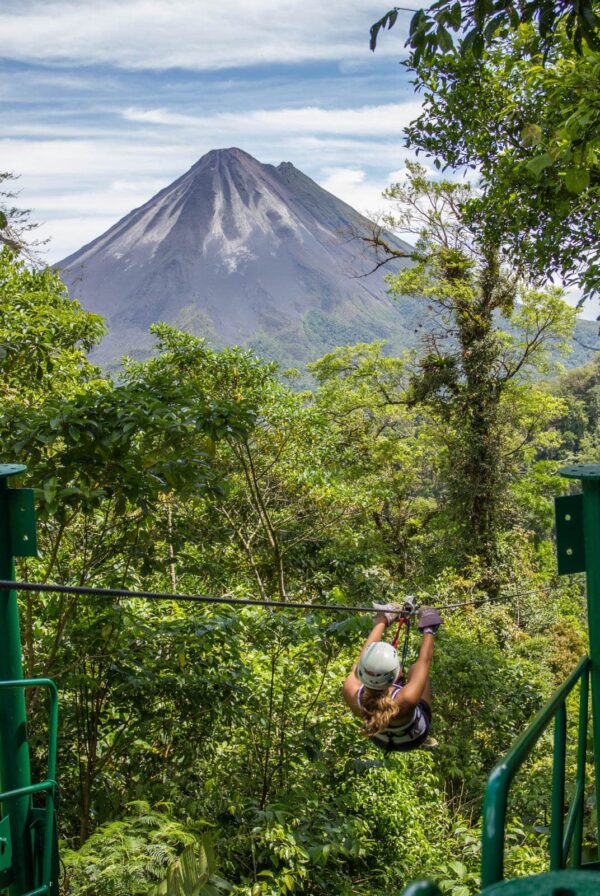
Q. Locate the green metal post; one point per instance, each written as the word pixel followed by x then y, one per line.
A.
pixel 14 749
pixel 589 475
pixel 579 797
pixel 591 521
pixel 558 789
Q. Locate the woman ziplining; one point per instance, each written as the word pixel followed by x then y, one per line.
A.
pixel 396 712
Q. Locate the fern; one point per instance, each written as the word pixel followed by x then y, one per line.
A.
pixel 192 873
pixel 144 853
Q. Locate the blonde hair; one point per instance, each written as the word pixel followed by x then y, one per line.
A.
pixel 378 710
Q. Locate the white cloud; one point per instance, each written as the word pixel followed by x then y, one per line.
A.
pixel 79 160
pixel 112 200
pixel 66 235
pixel 97 169
pixel 192 34
pixel 96 124
pixel 356 188
pixel 388 119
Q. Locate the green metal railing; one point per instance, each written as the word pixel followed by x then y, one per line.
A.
pixel 564 838
pixel 48 787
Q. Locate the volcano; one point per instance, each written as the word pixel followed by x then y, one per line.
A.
pixel 241 253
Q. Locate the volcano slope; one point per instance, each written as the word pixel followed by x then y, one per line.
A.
pixel 242 253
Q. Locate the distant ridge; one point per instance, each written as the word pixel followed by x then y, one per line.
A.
pixel 241 252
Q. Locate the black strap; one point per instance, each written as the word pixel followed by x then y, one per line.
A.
pixel 404 653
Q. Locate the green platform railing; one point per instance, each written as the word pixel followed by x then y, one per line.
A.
pixel 44 874
pixel 565 838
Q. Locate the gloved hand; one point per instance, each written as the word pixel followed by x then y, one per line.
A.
pixel 429 621
pixel 390 611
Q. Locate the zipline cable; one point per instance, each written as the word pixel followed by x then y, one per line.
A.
pixel 489 600
pixel 163 595
pixel 88 591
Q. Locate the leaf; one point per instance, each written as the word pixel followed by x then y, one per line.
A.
pixel 493 26
pixel 577 180
pixel 531 135
pixel 417 23
pixel 50 487
pixel 444 39
pixel 455 16
pixel 189 875
pixel 539 163
pixel 459 868
pixel 388 20
pixel 547 18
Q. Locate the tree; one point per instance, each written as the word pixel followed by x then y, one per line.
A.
pixel 15 224
pixel 580 423
pixel 481 23
pixel 102 456
pixel 472 375
pixel 522 109
pixel 385 452
pixel 531 131
pixel 270 509
pixel 44 335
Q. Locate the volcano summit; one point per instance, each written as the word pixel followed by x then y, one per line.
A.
pixel 241 253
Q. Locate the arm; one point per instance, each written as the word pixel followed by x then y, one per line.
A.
pixel 352 683
pixel 413 691
pixel 377 631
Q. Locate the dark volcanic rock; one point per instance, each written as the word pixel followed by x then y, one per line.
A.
pixel 240 252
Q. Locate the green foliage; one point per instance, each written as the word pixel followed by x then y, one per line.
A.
pixel 472 376
pixel 481 24
pixel 193 873
pixel 146 853
pixel 199 471
pixel 15 224
pixel 44 335
pixel 519 104
pixel 580 421
pixel 524 114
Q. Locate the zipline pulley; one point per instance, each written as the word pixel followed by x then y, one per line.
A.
pixel 409 610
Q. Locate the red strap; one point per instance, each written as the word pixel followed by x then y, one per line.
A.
pixel 402 621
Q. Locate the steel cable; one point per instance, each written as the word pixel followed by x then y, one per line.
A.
pixel 88 591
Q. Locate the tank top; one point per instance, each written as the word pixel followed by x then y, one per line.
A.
pixel 399 734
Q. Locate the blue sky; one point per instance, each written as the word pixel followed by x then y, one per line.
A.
pixel 105 103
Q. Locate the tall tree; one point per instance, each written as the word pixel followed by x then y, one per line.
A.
pixel 472 374
pixel 519 105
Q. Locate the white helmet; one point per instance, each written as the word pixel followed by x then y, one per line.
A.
pixel 378 666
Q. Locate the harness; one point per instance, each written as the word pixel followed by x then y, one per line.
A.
pixel 398 734
pixel 403 622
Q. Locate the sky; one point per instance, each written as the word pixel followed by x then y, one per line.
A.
pixel 103 104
